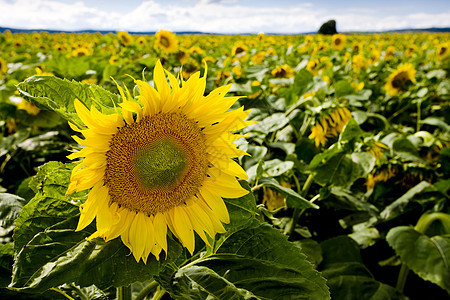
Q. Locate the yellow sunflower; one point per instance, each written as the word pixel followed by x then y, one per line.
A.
pixel 3 67
pixel 166 41
pixel 400 79
pixel 124 37
pixel 338 41
pixel 442 50
pixel 283 71
pixel 164 162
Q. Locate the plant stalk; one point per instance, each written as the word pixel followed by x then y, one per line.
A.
pixel 147 290
pixel 418 115
pixel 298 212
pixel 124 293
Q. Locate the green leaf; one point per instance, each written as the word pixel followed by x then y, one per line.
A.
pixel 311 249
pixel 242 213
pixel 10 207
pixel 360 287
pixel 276 167
pixel 342 88
pixel 337 168
pixel 347 276
pixel 270 124
pixel 293 199
pixel 351 131
pixel 428 257
pixel 58 95
pixel 397 207
pixel 254 263
pixel 59 256
pixel 435 121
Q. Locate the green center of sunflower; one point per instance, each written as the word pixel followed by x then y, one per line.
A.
pixel 161 165
pixel 165 41
pixel 156 163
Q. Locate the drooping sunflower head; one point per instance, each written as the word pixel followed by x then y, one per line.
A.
pixel 164 161
pixel 166 41
pixel 400 79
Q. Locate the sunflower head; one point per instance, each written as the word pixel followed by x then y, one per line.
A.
pixel 338 41
pixel 239 48
pixel 166 41
pixel 3 67
pixel 163 161
pixel 400 79
pixel 283 71
pixel 124 37
pixel 442 50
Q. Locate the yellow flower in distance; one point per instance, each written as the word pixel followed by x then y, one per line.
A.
pixel 166 41
pixel 338 41
pixel 124 37
pixel 400 79
pixel 164 162
pixel 283 71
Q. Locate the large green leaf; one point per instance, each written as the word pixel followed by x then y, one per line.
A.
pixel 428 257
pixel 242 212
pixel 59 256
pixel 255 263
pixel 49 252
pixel 335 167
pixel 56 94
pixel 347 276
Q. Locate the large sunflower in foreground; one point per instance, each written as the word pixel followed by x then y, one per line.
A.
pixel 165 161
pixel 400 79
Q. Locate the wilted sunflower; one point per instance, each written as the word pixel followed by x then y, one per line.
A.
pixel 166 41
pixel 165 161
pixel 400 79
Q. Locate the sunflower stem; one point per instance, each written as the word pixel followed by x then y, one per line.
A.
pixel 124 293
pixel 62 293
pixel 402 276
pixel 298 212
pixel 418 115
pixel 147 290
pixel 159 294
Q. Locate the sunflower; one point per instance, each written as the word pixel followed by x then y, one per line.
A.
pixel 338 41
pixel 31 109
pixel 164 162
pixel 3 67
pixel 442 50
pixel 166 41
pixel 376 149
pixel 400 79
pixel 283 71
pixel 124 37
pixel 238 48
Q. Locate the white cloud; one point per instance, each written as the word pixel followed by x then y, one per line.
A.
pixel 226 16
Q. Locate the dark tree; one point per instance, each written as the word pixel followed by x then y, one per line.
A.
pixel 328 27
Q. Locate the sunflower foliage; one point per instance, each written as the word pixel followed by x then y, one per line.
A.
pixel 340 145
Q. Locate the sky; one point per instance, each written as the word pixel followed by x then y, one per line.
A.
pixel 223 16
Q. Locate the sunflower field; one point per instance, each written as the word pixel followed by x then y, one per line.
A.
pixel 224 166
